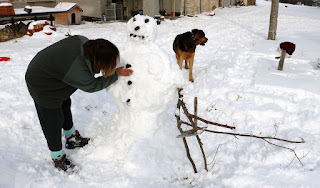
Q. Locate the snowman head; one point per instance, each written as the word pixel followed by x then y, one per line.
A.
pixel 141 29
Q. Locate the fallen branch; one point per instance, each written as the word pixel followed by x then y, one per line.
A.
pixel 212 123
pixel 195 131
pixel 195 126
pixel 190 116
pixel 285 148
pixel 185 140
pixel 261 137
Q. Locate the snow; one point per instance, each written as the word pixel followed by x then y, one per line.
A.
pixel 139 122
pixel 236 82
pixel 39 22
pixel 38 9
pixel 5 4
pixel 65 5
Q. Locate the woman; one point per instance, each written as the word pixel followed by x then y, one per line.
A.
pixel 55 73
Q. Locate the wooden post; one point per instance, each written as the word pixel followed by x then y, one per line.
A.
pixel 273 20
pixel 51 20
pixel 174 8
pixel 281 62
pixel 13 27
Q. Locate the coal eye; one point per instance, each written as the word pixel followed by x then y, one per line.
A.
pixel 134 19
pixel 146 20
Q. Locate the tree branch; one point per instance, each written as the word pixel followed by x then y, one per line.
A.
pixel 261 137
pixel 285 148
pixel 198 137
pixel 212 123
pixel 185 140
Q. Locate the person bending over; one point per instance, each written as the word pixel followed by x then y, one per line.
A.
pixel 55 73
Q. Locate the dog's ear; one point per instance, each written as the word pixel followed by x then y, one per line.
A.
pixel 194 31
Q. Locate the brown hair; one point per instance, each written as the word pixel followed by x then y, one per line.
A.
pixel 102 54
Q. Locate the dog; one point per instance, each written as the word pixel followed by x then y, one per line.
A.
pixel 184 45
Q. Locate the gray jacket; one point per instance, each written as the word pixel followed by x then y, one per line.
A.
pixel 59 70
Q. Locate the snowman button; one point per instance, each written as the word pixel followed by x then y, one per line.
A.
pixel 129 82
pixel 128 66
pixel 128 100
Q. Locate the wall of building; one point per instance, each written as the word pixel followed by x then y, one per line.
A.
pixel 77 13
pixel 66 18
pixel 61 19
pixel 168 5
pixel 151 7
pixel 91 8
pixel 193 6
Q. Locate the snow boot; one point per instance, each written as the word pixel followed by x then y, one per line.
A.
pixel 63 164
pixel 76 140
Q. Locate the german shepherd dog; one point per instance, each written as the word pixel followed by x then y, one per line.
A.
pixel 184 46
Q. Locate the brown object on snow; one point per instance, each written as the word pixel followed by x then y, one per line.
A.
pixel 288 47
pixel 7 32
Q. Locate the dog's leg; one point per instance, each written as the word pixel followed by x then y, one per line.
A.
pixel 186 64
pixel 180 61
pixel 190 68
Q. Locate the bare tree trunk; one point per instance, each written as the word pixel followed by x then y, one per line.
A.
pixel 273 20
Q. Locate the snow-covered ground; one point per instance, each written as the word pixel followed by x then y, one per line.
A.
pixel 236 82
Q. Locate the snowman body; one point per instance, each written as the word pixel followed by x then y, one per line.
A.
pixel 141 130
pixel 144 95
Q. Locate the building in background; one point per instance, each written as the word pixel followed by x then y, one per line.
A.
pixel 73 16
pixel 125 9
pixel 23 3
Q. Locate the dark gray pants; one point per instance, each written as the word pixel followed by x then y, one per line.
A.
pixel 53 120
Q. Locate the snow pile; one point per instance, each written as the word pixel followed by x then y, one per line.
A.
pixel 236 82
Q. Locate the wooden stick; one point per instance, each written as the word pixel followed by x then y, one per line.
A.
pixel 212 123
pixel 185 110
pixel 261 137
pixel 197 136
pixel 285 148
pixel 195 112
pixel 184 139
pixel 281 62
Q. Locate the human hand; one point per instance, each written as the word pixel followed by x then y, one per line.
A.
pixel 123 72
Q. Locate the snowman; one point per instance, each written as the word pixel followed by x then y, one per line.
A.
pixel 143 96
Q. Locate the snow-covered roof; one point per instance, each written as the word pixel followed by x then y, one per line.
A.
pixel 5 4
pixel 66 5
pixel 38 9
